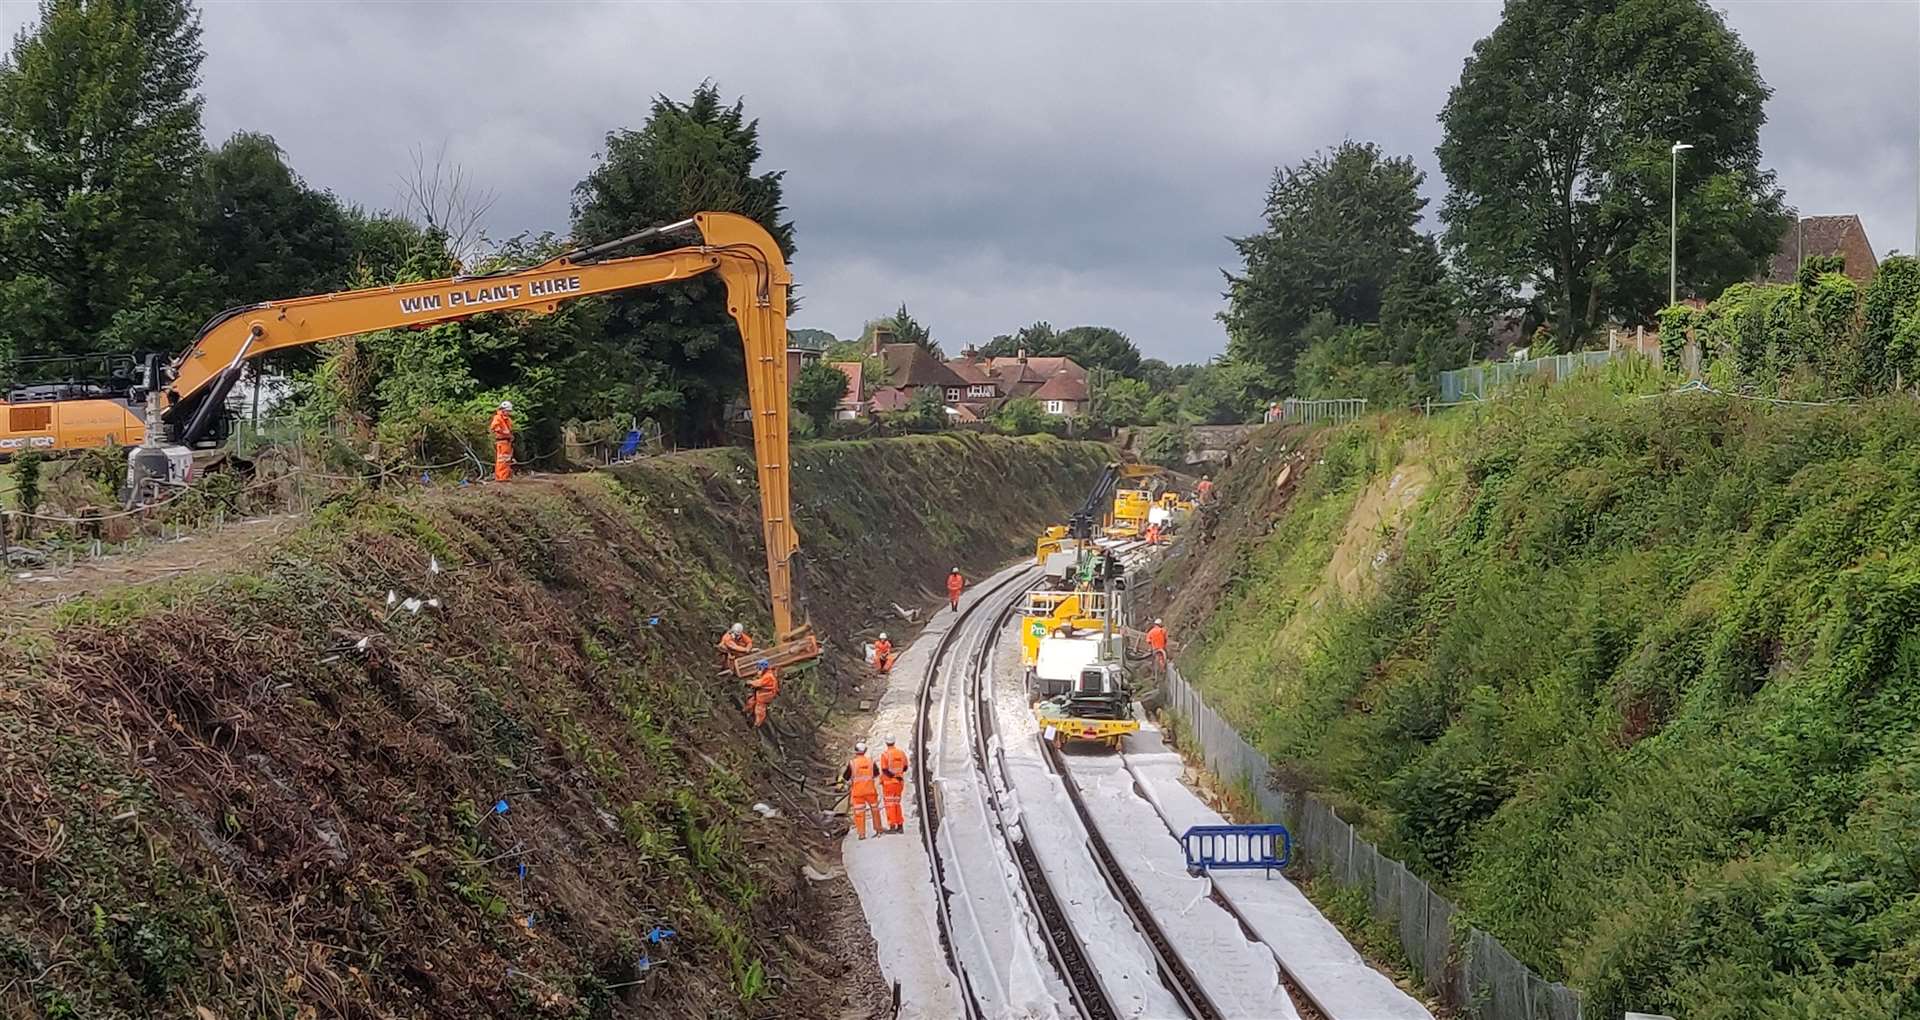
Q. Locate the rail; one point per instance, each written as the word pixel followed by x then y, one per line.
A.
pixel 1179 978
pixel 924 791
pixel 1063 946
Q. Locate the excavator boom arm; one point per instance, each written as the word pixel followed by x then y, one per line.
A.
pixel 738 250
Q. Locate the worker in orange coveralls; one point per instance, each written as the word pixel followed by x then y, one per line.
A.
pixel 1153 534
pixel 1157 640
pixel 502 429
pixel 765 687
pixel 883 654
pixel 893 782
pixel 1205 489
pixel 955 585
pixel 733 644
pixel 863 800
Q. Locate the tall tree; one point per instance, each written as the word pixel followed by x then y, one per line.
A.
pixel 1038 339
pixel 99 136
pixel 265 232
pixel 904 328
pixel 817 391
pixel 1556 150
pixel 1100 347
pixel 1338 225
pixel 683 348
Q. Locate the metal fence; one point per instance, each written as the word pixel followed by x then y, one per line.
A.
pixel 1468 970
pixel 1293 411
pixel 1478 382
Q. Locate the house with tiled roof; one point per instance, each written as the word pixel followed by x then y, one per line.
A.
pixel 853 403
pixel 992 382
pixel 1065 392
pixel 907 371
pixel 1812 236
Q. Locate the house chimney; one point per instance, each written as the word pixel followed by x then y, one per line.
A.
pixel 1023 355
pixel 969 353
pixel 882 335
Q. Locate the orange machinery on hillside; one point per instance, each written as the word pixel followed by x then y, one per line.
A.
pixel 185 399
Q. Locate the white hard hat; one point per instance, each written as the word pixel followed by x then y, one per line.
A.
pixel 1156 620
pixel 889 741
pixel 860 747
pixel 738 628
pixel 955 570
pixel 883 635
pixel 506 405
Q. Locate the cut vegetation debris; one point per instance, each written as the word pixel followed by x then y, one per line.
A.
pixel 198 812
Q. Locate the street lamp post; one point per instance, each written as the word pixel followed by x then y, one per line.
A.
pixel 1673 237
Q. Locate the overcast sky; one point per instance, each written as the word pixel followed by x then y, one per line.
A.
pixel 989 164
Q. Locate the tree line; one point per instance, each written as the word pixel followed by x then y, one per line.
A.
pixel 122 230
pixel 1560 180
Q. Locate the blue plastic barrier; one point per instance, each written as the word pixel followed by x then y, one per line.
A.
pixel 1265 848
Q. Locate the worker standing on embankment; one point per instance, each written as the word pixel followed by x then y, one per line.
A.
pixel 502 429
pixel 1157 640
pixel 764 688
pixel 883 654
pixel 1205 489
pixel 893 783
pixel 862 798
pixel 733 644
pixel 955 585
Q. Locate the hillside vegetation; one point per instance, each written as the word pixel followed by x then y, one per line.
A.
pixel 215 802
pixel 1638 680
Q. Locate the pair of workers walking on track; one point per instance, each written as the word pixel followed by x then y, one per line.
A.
pixel 872 783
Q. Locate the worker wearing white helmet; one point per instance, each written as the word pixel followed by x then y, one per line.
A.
pixel 883 654
pixel 502 429
pixel 893 783
pixel 955 585
pixel 733 644
pixel 1157 641
pixel 862 798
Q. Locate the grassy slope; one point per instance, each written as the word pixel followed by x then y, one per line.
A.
pixel 1639 680
pixel 208 799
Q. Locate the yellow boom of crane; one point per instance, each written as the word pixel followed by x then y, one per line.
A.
pixel 185 399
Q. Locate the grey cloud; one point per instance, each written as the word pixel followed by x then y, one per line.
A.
pixel 989 164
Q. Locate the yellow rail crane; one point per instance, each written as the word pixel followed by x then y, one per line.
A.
pixel 183 400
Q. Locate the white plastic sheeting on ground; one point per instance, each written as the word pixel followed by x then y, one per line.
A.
pixel 994 938
pixel 1314 952
pixel 1239 974
pixel 1118 953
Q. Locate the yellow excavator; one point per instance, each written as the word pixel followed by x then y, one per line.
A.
pixel 185 399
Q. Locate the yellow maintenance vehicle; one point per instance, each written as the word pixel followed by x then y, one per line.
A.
pixel 1097 707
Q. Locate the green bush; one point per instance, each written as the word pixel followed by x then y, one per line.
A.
pixel 1638 681
pixel 1166 445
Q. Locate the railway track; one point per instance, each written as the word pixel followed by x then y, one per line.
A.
pixel 1179 978
pixel 1069 956
pixel 965 650
pixel 923 786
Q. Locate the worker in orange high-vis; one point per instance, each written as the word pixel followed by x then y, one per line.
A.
pixel 763 689
pixel 955 585
pixel 1153 534
pixel 893 783
pixel 1157 640
pixel 883 654
pixel 863 799
pixel 1205 489
pixel 502 429
pixel 733 644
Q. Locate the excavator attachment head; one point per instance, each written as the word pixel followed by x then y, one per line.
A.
pixel 797 649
